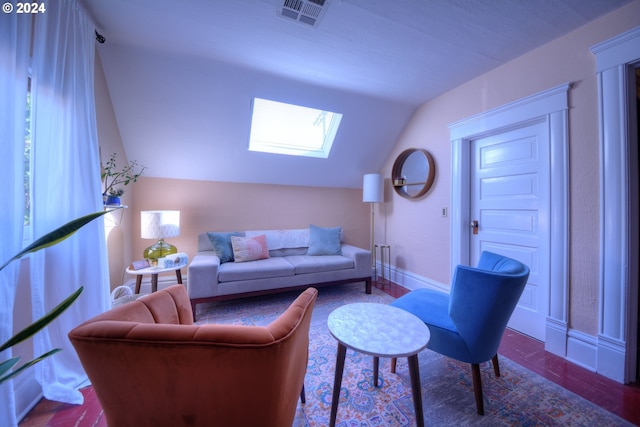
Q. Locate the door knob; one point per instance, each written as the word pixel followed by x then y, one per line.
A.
pixel 474 226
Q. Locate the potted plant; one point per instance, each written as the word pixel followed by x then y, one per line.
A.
pixel 112 177
pixel 113 198
pixel 49 239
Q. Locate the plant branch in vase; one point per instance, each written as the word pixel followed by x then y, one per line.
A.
pixel 113 178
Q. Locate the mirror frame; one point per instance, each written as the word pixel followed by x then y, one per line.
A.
pixel 396 174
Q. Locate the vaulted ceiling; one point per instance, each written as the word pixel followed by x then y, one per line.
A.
pixel 182 73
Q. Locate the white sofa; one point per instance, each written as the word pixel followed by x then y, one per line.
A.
pixel 289 265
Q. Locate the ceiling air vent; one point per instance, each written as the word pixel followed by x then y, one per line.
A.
pixel 308 12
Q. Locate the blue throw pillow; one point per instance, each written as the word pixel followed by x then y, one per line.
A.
pixel 324 241
pixel 221 243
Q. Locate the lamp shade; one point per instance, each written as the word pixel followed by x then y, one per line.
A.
pixel 372 189
pixel 159 224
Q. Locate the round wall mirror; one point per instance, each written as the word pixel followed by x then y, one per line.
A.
pixel 413 173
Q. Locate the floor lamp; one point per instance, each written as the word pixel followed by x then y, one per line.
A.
pixel 372 192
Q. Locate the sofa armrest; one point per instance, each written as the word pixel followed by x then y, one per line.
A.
pixel 361 259
pixel 202 275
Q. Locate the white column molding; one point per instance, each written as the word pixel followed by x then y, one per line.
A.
pixel 460 175
pixel 613 205
pixel 558 318
pixel 618 292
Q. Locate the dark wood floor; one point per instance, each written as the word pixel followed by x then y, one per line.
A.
pixel 620 399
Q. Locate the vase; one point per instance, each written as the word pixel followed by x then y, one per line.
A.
pixel 113 201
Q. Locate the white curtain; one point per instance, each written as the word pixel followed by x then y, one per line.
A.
pixel 14 39
pixel 66 185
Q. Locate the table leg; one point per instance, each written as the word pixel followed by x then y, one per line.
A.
pixel 154 283
pixel 383 261
pixel 138 283
pixel 337 383
pixel 179 276
pixel 414 373
pixel 376 364
pixel 375 262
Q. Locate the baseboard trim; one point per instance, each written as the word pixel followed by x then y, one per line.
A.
pixel 28 393
pixel 556 337
pixel 411 280
pixel 582 349
pixel 599 354
pixel 611 358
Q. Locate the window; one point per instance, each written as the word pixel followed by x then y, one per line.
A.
pixel 293 130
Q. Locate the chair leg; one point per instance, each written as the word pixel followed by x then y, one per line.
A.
pixel 477 387
pixel 393 365
pixel 303 397
pixel 496 365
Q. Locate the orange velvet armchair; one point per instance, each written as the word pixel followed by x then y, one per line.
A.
pixel 151 366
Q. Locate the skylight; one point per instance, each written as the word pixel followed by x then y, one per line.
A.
pixel 293 130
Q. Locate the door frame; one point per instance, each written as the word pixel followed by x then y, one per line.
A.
pixel 619 212
pixel 552 107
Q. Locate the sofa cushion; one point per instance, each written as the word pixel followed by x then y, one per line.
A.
pixel 288 251
pixel 260 269
pixel 249 248
pixel 316 264
pixel 283 239
pixel 221 244
pixel 324 241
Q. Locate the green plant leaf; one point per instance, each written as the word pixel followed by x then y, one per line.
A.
pixel 33 328
pixel 27 365
pixel 57 235
pixel 49 239
pixel 7 365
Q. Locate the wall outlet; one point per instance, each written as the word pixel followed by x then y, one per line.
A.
pixel 444 212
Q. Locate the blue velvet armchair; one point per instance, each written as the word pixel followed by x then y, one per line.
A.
pixel 468 323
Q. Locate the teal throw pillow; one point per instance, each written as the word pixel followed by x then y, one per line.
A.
pixel 324 241
pixel 221 243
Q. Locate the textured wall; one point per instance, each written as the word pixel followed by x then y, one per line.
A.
pixel 220 206
pixel 415 229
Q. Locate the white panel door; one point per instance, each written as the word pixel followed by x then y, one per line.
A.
pixel 510 201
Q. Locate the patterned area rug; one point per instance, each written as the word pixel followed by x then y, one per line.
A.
pixel 518 397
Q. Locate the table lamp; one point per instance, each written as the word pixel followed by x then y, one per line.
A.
pixel 159 225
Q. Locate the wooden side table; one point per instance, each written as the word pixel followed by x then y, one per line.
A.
pixel 154 271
